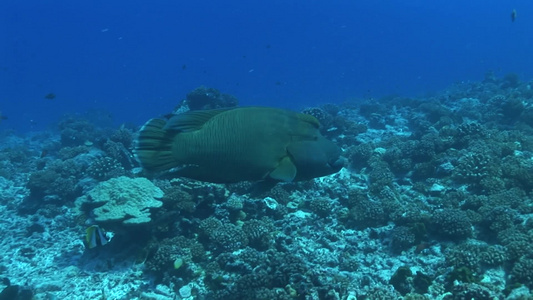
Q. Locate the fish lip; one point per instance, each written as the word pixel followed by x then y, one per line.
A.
pixel 338 163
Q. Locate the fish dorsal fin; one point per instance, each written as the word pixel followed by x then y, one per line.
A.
pixel 192 120
pixel 285 171
pixel 310 119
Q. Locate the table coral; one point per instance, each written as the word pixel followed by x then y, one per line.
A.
pixel 123 199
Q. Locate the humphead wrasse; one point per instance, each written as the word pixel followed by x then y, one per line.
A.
pixel 238 144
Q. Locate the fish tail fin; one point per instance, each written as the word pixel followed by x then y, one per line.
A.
pixel 153 149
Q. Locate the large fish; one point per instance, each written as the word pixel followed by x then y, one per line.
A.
pixel 238 144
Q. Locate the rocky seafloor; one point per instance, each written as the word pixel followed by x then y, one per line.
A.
pixel 435 203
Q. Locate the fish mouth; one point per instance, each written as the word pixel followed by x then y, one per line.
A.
pixel 338 163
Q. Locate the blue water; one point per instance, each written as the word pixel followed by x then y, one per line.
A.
pixel 138 59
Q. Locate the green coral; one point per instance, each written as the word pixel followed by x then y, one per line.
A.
pixel 321 206
pixel 222 236
pixel 178 199
pixel 104 167
pixel 494 256
pixel 462 274
pixel 472 168
pixel 209 98
pixel 402 238
pixel 422 282
pixel 259 233
pixel 451 224
pixel 401 280
pixel 465 255
pixel 122 199
pixel 58 182
pixel 367 214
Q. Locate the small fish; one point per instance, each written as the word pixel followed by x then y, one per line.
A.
pixel 50 96
pixel 2 117
pixel 513 15
pixel 96 236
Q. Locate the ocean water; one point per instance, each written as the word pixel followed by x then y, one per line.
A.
pixel 418 183
pixel 138 59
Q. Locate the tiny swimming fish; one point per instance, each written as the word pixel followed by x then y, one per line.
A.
pixel 513 15
pixel 96 236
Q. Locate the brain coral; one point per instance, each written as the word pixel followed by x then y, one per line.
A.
pixel 123 199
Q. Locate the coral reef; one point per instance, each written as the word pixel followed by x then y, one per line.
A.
pixel 123 200
pixel 103 168
pixel 434 204
pixel 209 98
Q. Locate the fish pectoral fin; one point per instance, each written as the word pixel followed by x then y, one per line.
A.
pixel 285 171
pixel 191 120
